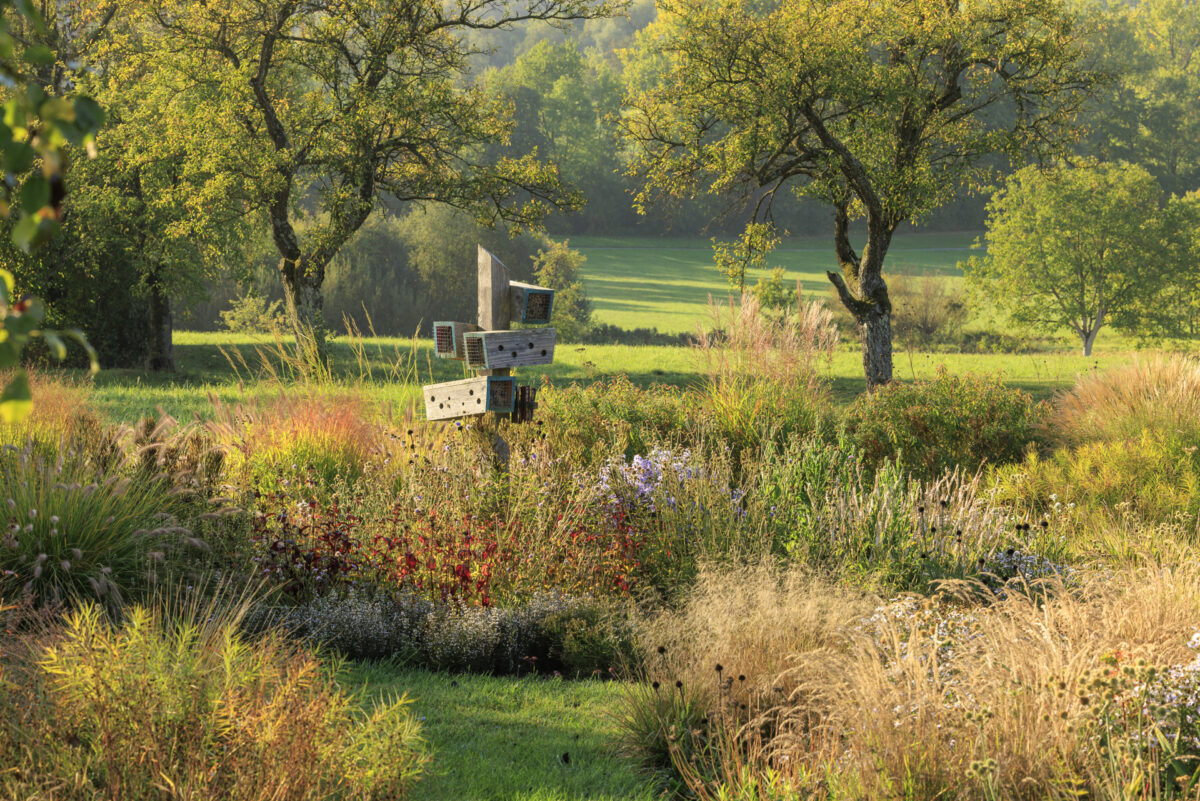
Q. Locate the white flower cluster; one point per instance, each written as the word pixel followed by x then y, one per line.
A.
pixel 1172 700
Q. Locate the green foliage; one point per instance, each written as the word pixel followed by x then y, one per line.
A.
pixel 38 128
pixel 347 102
pixel 843 103
pixel 773 294
pixel 73 530
pixel 749 252
pixel 562 102
pixel 440 245
pixel 950 421
pixel 1079 248
pixel 251 314
pixel 592 420
pixel 1146 114
pixel 558 268
pixel 123 711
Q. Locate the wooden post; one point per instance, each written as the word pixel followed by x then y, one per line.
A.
pixel 495 314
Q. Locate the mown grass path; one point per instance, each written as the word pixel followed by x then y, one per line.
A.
pixel 503 739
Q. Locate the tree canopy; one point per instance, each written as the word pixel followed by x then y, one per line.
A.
pixel 1083 247
pixel 882 110
pixel 308 112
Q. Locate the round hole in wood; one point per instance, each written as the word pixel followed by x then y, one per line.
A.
pixel 543 351
pixel 499 347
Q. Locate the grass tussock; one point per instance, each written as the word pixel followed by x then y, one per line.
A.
pixel 334 434
pixel 183 707
pixel 1035 696
pixel 1159 393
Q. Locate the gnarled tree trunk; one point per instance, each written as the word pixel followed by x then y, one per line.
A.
pixel 864 293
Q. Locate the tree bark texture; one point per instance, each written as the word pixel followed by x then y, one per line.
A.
pixel 863 292
pixel 162 350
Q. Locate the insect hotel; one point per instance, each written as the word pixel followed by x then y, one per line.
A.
pixel 491 349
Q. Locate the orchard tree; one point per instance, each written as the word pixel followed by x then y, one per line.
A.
pixel 309 111
pixel 883 110
pixel 1080 248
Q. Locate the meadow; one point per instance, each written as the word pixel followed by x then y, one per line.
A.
pixel 715 572
pixel 665 282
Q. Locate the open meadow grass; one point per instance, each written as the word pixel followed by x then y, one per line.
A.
pixel 665 283
pixel 205 373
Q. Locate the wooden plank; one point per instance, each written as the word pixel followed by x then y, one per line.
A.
pixel 448 339
pixel 468 397
pixel 493 350
pixel 532 305
pixel 495 305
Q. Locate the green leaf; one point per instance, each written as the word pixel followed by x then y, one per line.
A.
pixel 39 54
pixel 35 193
pixel 7 286
pixel 16 402
pixel 25 232
pixel 10 354
pixel 88 114
pixel 18 156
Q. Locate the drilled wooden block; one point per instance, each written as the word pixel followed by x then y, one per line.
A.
pixel 469 396
pixel 531 304
pixel 491 350
pixel 448 339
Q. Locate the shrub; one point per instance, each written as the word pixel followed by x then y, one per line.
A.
pixel 1159 394
pixel 925 311
pixel 586 423
pixel 189 708
pixel 948 422
pixel 72 530
pixel 251 314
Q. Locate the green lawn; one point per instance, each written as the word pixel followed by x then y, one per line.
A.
pixel 205 374
pixel 504 738
pixel 662 283
pixel 665 283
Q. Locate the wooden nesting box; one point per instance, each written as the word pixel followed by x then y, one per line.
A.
pixel 448 339
pixel 488 393
pixel 531 304
pixel 493 350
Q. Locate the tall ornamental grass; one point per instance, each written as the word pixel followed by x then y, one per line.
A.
pixel 1086 688
pixel 72 530
pixel 1150 394
pixel 182 707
